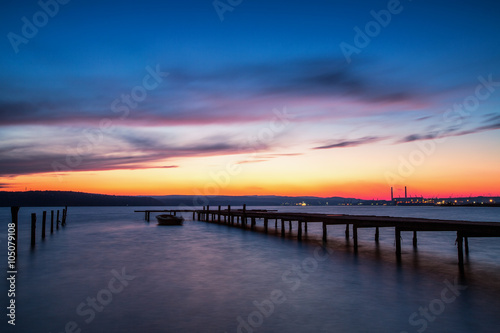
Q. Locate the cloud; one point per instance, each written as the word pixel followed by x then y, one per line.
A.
pixel 121 150
pixel 352 143
pixel 252 161
pixel 492 123
pixel 246 93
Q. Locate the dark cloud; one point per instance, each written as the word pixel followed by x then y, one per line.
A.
pixel 418 137
pixel 134 152
pixel 351 143
pixel 226 95
pixel 491 123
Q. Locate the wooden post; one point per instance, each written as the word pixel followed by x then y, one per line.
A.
pixel 275 223
pixel 376 234
pixel 218 214
pixel 305 226
pixel 324 232
pixel 230 220
pixel 460 241
pixel 466 245
pixel 44 217
pixel 57 220
pixel 347 231
pixel 253 223
pixel 244 216
pixel 266 221
pixel 290 224
pixel 414 238
pixel 33 229
pixel 51 221
pixel 398 242
pixel 14 212
pixel 299 231
pixel 208 213
pixel 355 236
pixel 65 213
pixel 282 227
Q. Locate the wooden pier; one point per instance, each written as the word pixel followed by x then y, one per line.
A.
pixel 248 219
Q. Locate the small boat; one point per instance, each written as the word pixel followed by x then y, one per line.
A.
pixel 166 219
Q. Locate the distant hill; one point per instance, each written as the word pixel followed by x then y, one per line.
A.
pixel 65 198
pixel 251 200
pixel 68 198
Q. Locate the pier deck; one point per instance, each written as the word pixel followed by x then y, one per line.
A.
pixel 241 218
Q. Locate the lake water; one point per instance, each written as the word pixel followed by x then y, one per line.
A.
pixel 109 271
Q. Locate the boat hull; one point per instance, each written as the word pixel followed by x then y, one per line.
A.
pixel 165 219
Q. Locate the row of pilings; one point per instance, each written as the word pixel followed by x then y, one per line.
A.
pixel 60 220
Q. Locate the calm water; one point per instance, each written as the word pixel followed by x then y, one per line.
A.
pixel 109 271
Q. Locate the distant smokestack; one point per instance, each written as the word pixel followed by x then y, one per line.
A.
pixel 406 195
pixel 392 194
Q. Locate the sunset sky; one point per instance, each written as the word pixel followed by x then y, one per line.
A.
pixel 323 98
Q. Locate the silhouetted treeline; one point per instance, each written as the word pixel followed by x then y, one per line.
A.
pixel 65 198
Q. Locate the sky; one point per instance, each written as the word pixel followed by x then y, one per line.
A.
pixel 238 97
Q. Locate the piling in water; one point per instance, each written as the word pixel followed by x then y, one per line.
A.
pixel 44 218
pixel 33 229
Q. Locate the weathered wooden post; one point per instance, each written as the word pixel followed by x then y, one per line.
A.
pixel 44 217
pixel 347 231
pixel 355 237
pixel 33 229
pixel 460 246
pixel 324 232
pixel 266 221
pixel 244 216
pixel 65 212
pixel 194 215
pixel 14 212
pixel 51 221
pixel 290 224
pixel 57 220
pixel 414 238
pixel 398 242
pixel 305 226
pixel 377 234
